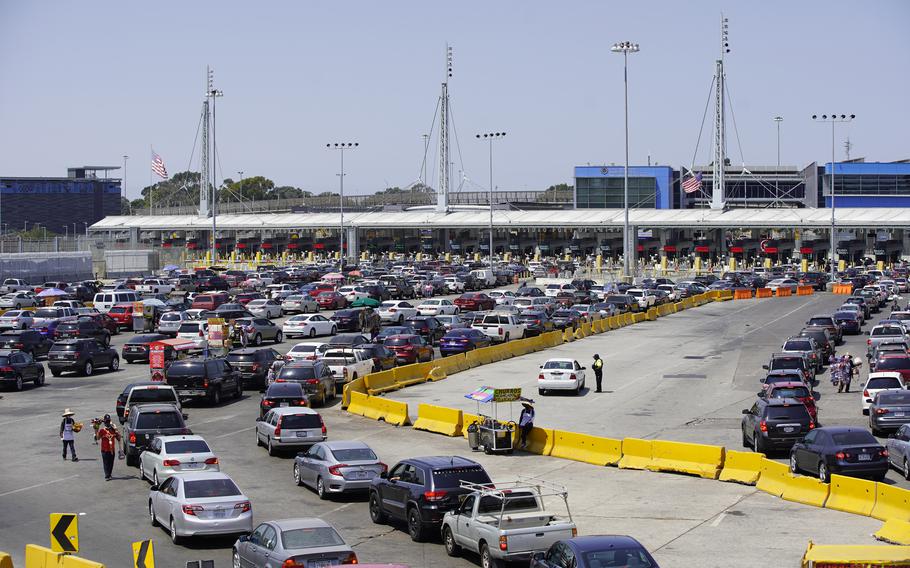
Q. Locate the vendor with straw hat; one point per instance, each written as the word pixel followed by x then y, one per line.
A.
pixel 68 429
pixel 525 421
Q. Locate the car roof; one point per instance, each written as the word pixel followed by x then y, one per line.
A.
pixel 202 476
pixel 156 407
pixel 601 542
pixel 180 438
pixel 300 523
pixel 294 410
pixel 443 461
pixel 841 429
pixel 345 445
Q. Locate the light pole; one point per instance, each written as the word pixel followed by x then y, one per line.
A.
pixel 341 146
pixel 833 119
pixel 490 136
pixel 423 168
pixel 241 185
pixel 626 47
pixel 778 120
pixel 125 158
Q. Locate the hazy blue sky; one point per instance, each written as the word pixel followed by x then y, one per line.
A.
pixel 86 82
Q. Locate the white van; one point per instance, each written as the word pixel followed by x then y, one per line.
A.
pixel 104 301
pixel 485 275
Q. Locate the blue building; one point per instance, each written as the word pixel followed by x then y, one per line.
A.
pixel 601 187
pixel 867 184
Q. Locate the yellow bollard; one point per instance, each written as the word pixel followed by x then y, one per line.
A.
pixel 536 256
pixel 767 262
pixel 804 265
pixel 258 256
pixel 448 257
pixel 841 265
pixel 567 257
pixel 732 264
pixel 476 257
pixel 880 265
pixel 663 264
pixel 599 261
pixel 697 264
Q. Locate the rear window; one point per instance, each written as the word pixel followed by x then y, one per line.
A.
pixel 787 363
pixel 618 557
pixel 4 360
pixel 397 341
pixel 354 454
pixel 300 421
pixel 284 389
pixel 820 321
pixel 241 357
pixel 187 447
pixel 65 347
pixel 188 327
pixel 152 394
pixel 886 331
pixel 203 488
pixel 883 383
pixel 186 369
pixel 67 327
pixel 558 365
pixel 316 537
pixel 791 392
pixel 520 501
pixel 171 317
pixel 155 420
pixel 854 438
pixel 797 346
pixel 793 412
pixel 893 364
pixel 894 398
pixel 119 310
pixel 452 478
pixel 46 313
pixel 297 373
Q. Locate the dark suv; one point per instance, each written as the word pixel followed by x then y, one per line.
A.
pixel 204 379
pixel 81 356
pixel 83 328
pixel 315 377
pixel 420 491
pixel 775 423
pixel 28 340
pixel 147 421
pixel 427 327
pixel 253 365
pixel 17 367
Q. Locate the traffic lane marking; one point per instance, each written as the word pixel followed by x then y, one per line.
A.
pixel 37 485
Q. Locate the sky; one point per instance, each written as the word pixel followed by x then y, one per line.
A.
pixel 90 81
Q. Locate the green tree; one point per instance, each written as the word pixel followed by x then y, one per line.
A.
pixel 180 190
pixel 555 192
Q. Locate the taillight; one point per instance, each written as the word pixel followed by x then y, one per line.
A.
pixel 385 468
pixel 345 372
pixel 868 342
pixel 170 463
pixel 205 384
pixel 336 469
pixel 882 411
pixel 243 506
pixel 883 453
pixel 811 425
pixel 256 367
pixel 321 423
pixel 350 559
pixel 18 345
pixel 211 461
pixel 312 381
pixel 435 495
pixel 6 369
pixel 540 377
pixel 191 509
pixel 132 437
pixel 278 428
pixel 840 455
pixel 572 377
pixel 503 543
pixel 302 402
pixel 291 563
pixel 500 331
pixel 865 392
pixel 574 532
pixel 763 426
pixel 267 403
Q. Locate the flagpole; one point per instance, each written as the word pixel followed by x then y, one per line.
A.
pixel 151 172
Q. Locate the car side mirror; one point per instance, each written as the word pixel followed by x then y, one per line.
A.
pixel 383 475
pixel 394 480
pixel 154 488
pixel 583 368
pixel 746 411
pixel 185 416
pixel 761 394
pixel 765 367
pixel 540 366
pixel 258 419
pixel 243 538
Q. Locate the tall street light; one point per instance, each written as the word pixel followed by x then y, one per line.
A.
pixel 490 136
pixel 341 146
pixel 833 119
pixel 626 47
pixel 125 158
pixel 241 185
pixel 778 120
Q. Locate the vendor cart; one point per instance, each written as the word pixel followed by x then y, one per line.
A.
pixel 490 434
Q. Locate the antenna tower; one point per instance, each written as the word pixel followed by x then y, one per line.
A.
pixel 720 129
pixel 847 147
pixel 442 192
pixel 208 193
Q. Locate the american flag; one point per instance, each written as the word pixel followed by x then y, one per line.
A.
pixel 692 183
pixel 158 166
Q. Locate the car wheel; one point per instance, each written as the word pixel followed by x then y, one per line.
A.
pixel 216 396
pixel 794 467
pixel 506 338
pixel 541 392
pixel 258 441
pixel 401 319
pixel 297 479
pixel 415 527
pixel 152 519
pixel 107 340
pixel 312 332
pixel 87 370
pixel 746 443
pixel 39 382
pixel 758 444
pixel 173 530
pixel 279 337
pixel 334 330
pixel 238 394
pixel 269 447
pixel 115 364
pixel 823 474
pixel 376 513
pixel 906 470
pixel 257 339
pixel 486 559
pixel 320 489
pixel 131 461
pixel 18 382
pixel 448 539
pixel 235 559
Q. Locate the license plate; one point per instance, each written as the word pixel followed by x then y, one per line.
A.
pixel 219 514
pixel 302 434
pixel 319 563
pixel 899 414
pixel 865 457
pixel 789 429
pixel 191 465
pixel 360 475
pixel 283 404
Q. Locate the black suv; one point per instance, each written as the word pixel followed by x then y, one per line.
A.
pixel 315 376
pixel 81 356
pixel 536 322
pixel 775 423
pixel 253 365
pixel 147 421
pixel 420 491
pixel 28 340
pixel 204 379
pixel 83 328
pixel 17 367
pixel 137 347
pixel 427 327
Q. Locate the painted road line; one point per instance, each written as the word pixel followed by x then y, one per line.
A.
pixel 37 485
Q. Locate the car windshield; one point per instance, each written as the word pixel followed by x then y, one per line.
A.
pixel 618 557
pixel 46 313
pixel 315 537
pixel 884 383
pixel 300 421
pixel 354 454
pixel 796 345
pixel 893 364
pixel 186 447
pixel 793 412
pixel 152 394
pixel 791 392
pixel 853 438
pixel 567 365
pixel 4 360
pixel 451 478
pixel 202 488
pixel 158 419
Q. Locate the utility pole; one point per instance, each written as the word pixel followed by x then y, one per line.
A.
pixel 628 243
pixel 778 120
pixel 442 192
pixel 718 185
pixel 833 119
pixel 208 193
pixel 341 146
pixel 490 136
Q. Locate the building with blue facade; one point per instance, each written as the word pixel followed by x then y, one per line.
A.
pixel 867 184
pixel 601 187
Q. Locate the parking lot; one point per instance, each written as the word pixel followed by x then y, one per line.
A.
pixel 685 377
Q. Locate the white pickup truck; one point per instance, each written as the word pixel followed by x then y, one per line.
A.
pixel 14 285
pixel 346 365
pixel 501 327
pixel 644 297
pixel 154 286
pixel 508 523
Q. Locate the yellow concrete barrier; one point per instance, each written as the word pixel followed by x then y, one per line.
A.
pixel 484 355
pixel 454 364
pixel 471 360
pixel 540 441
pixel 680 457
pixel 742 294
pixel 851 495
pixel 467 419
pixel 378 408
pixel 636 453
pixel 843 289
pixel 639 317
pixel 764 292
pixel 6 561
pixel 805 490
pixel 741 467
pixel 69 561
pixel 773 477
pixel 383 381
pixel 599 326
pixel 855 556
pixel 894 531
pixel 578 333
pixel 891 503
pixel 413 374
pixel 436 374
pixel 586 448
pixel 567 336
pixel 439 419
pixel 354 386
pixel 651 314
pixel 723 295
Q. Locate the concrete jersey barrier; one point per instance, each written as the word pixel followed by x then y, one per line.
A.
pixel 439 419
pixel 741 467
pixel 891 503
pixel 852 495
pixel 586 448
pixel 680 457
pixel 378 408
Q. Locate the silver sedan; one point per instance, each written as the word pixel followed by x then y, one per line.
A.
pixel 295 542
pixel 899 450
pixel 336 467
pixel 191 504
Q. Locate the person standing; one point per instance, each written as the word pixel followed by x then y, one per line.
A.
pixel 525 423
pixel 109 437
pixel 68 433
pixel 598 367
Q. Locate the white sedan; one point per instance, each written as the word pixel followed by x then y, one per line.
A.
pixel 169 455
pixel 309 325
pixel 17 319
pixel 396 311
pixel 352 293
pixel 878 382
pixel 263 308
pixel 18 300
pixel 561 374
pixel 502 296
pixel 437 307
pixel 783 283
pixel 306 351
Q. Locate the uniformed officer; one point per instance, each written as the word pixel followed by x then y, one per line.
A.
pixel 598 367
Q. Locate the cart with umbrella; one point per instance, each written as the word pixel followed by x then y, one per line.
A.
pixel 492 435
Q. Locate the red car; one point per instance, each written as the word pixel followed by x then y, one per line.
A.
pixel 895 363
pixel 331 300
pixel 796 390
pixel 409 348
pixel 50 286
pixel 105 321
pixel 474 302
pixel 321 287
pixel 122 314
pixel 247 297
